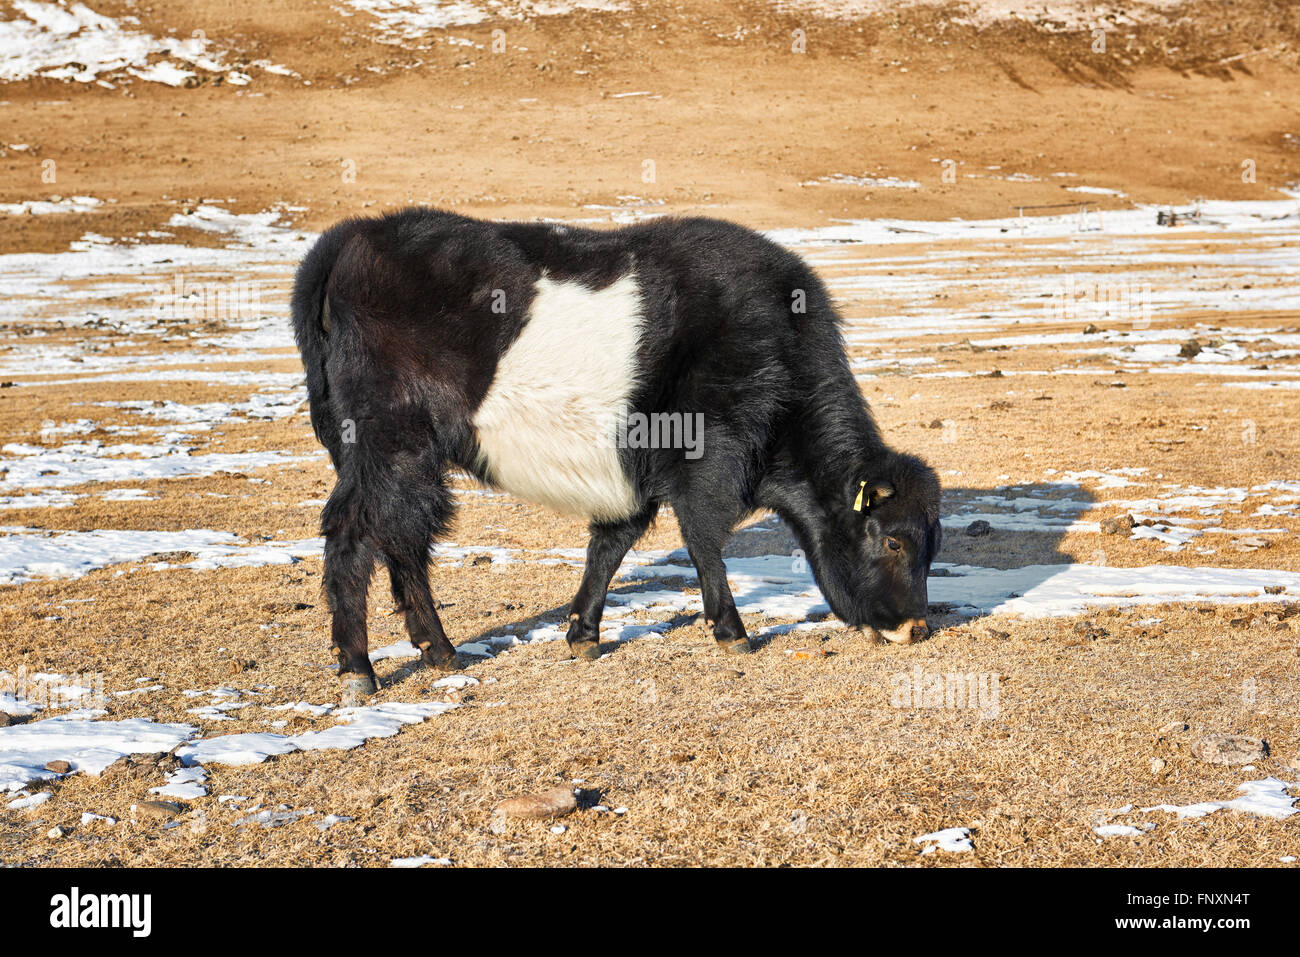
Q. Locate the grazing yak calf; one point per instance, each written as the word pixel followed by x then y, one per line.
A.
pixel 540 357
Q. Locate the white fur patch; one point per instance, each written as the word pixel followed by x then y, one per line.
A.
pixel 546 426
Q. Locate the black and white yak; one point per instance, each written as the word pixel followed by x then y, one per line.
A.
pixel 520 352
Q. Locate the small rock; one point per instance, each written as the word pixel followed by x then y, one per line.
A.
pixel 1120 525
pixel 557 802
pixel 57 832
pixel 1229 749
pixel 1251 543
pixel 171 558
pixel 979 528
pixel 1190 349
pixel 1157 766
pixel 1274 589
pixel 1090 330
pixel 1090 631
pixel 158 810
pixel 58 767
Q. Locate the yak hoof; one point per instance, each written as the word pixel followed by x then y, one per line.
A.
pixel 739 646
pixel 585 650
pixel 450 663
pixel 356 688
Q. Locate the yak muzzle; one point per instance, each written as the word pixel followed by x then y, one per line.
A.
pixel 909 631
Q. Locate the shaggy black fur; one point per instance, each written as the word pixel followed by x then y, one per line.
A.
pixel 395 321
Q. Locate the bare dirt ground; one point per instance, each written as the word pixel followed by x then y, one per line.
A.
pixel 1058 378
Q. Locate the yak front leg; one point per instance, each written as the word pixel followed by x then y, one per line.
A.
pixel 609 543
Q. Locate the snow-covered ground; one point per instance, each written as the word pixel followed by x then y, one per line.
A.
pixel 71 41
pixel 398 21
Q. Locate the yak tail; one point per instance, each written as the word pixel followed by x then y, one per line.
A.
pixel 313 322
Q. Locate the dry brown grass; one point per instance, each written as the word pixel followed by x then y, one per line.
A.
pixel 775 759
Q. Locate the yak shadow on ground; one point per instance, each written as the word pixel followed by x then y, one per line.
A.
pixel 1021 527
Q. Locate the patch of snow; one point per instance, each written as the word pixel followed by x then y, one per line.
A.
pixel 954 839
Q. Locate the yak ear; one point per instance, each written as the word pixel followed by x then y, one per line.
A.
pixel 869 495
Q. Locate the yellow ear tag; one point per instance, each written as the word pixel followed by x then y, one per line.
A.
pixel 857 502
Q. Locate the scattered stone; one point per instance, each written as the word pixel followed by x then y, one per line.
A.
pixel 481 560
pixel 935 424
pixel 1120 525
pixel 57 832
pixel 1157 766
pixel 1190 349
pixel 979 528
pixel 1229 749
pixel 171 558
pixel 1274 589
pixel 1000 405
pixel 1090 630
pixel 557 802
pixel 58 767
pixel 158 810
pixel 1251 543
pixel 1090 329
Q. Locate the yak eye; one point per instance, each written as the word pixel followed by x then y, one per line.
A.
pixel 893 543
